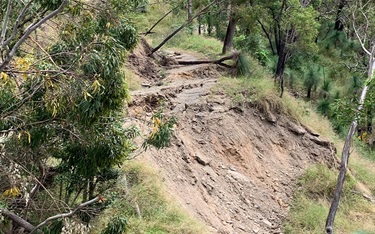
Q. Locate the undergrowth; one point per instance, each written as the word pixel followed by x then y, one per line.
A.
pixel 310 206
pixel 139 198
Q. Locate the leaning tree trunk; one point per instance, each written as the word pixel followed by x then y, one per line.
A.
pixel 346 150
pixel 228 41
pixel 181 27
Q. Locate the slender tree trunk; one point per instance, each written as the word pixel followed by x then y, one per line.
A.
pixel 92 186
pixel 280 68
pixel 190 8
pixel 228 41
pixel 308 96
pixel 369 121
pixel 157 22
pixel 346 150
pixel 339 25
pixel 199 25
pixel 209 24
pixel 85 191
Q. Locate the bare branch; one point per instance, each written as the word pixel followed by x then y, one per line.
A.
pixel 18 220
pixel 29 30
pixel 361 41
pixel 65 215
pixel 5 23
pixel 16 24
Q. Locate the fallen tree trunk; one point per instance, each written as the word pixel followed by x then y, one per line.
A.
pixel 157 22
pixel 218 61
pixel 181 27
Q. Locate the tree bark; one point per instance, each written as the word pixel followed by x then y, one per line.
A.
pixel 346 150
pixel 190 8
pixel 209 24
pixel 220 61
pixel 281 62
pixel 17 220
pixel 199 25
pixel 228 41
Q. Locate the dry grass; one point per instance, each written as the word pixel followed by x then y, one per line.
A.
pixel 160 214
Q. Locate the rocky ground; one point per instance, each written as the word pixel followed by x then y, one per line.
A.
pixel 234 168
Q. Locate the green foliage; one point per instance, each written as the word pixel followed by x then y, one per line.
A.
pixel 117 225
pixel 243 65
pixel 55 228
pixel 162 131
pixel 324 107
pixel 311 81
pixel 72 114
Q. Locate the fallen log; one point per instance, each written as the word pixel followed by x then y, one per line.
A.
pixel 220 61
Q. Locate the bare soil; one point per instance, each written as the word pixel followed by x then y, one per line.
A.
pixel 229 166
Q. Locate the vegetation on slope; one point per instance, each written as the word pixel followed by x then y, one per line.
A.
pixel 72 109
pixel 140 199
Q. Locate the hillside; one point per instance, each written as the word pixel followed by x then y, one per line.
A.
pixel 187 117
pixel 233 167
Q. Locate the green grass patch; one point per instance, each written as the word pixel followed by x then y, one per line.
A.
pixel 208 46
pixel 186 39
pixel 140 190
pixel 310 206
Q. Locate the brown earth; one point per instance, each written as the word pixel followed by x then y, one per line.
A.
pixel 234 168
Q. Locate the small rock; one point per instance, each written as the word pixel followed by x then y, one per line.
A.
pixel 271 118
pixel 232 168
pixel 256 229
pixel 201 141
pixel 202 159
pixel 320 141
pixel 200 115
pixel 296 129
pixel 266 222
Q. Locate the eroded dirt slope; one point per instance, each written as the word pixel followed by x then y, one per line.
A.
pixel 232 167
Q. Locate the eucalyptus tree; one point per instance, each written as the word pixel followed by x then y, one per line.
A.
pixel 61 104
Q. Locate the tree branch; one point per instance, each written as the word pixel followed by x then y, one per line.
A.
pixel 362 42
pixel 5 24
pixel 218 61
pixel 16 24
pixel 29 30
pixel 179 29
pixel 16 219
pixel 268 36
pixel 65 215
